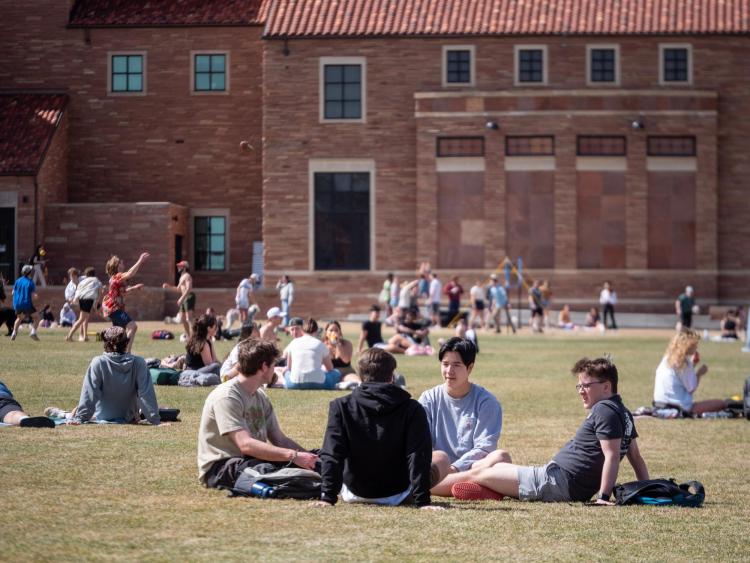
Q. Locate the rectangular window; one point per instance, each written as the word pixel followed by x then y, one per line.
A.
pixel 210 73
pixel 675 64
pixel 531 65
pixel 602 65
pixel 599 145
pixel 127 73
pixel 343 91
pixel 530 146
pixel 342 220
pixel 460 146
pixel 671 146
pixel 458 66
pixel 210 236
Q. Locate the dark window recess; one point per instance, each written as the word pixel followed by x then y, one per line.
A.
pixel 458 67
pixel 530 146
pixel 127 73
pixel 343 91
pixel 598 145
pixel 210 73
pixel 676 65
pixel 530 65
pixel 210 243
pixel 603 65
pixel 671 146
pixel 342 221
pixel 460 146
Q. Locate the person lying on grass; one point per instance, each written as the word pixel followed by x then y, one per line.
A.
pixel 12 413
pixel 377 444
pixel 465 419
pixel 238 427
pixel 116 385
pixel 586 465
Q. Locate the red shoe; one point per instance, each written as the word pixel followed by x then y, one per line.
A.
pixel 474 491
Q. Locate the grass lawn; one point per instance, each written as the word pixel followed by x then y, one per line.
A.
pixel 131 492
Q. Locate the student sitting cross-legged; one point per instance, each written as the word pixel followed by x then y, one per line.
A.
pixel 465 419
pixel 238 427
pixel 377 445
pixel 587 465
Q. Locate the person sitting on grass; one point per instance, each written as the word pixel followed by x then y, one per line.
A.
pixel 238 426
pixel 113 305
pixel 199 350
pixel 275 317
pixel 677 379
pixel 24 293
pixel 410 331
pixel 231 368
pixel 465 419
pixel 116 385
pixel 377 444
pixel 586 465
pixel 12 413
pixel 339 348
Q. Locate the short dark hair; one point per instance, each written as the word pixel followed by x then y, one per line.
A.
pixel 599 368
pixel 464 348
pixel 253 353
pixel 374 308
pixel 246 330
pixel 375 364
pixel 311 326
pixel 89 271
pixel 115 340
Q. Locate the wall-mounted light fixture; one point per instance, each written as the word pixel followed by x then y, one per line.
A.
pixel 638 124
pixel 492 125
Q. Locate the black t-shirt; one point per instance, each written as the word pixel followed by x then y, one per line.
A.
pixel 413 326
pixel 372 328
pixel 582 458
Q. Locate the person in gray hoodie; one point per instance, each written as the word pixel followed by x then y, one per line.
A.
pixel 116 385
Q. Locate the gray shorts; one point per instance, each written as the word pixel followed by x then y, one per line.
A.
pixel 545 483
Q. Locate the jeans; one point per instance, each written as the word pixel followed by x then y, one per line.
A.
pixel 285 309
pixel 332 378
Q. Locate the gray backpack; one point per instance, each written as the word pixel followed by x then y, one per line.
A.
pixel 288 482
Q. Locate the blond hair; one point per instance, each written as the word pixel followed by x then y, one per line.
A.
pixel 679 346
pixel 112 265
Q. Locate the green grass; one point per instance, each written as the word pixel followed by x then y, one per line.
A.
pixel 131 493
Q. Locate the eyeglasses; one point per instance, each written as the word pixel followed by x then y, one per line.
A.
pixel 587 385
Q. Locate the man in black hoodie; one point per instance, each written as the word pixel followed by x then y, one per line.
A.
pixel 377 447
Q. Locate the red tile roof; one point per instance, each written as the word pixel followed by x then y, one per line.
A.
pixel 27 124
pixel 331 18
pixel 150 13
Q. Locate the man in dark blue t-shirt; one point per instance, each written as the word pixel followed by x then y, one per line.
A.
pixel 586 465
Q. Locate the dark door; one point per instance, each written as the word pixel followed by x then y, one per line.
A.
pixel 8 242
pixel 177 255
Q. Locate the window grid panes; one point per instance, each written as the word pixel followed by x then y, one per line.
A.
pixel 342 220
pixel 603 65
pixel 671 146
pixel 458 66
pixel 460 146
pixel 127 73
pixel 210 73
pixel 343 91
pixel 676 64
pixel 530 146
pixel 531 65
pixel 597 145
pixel 210 243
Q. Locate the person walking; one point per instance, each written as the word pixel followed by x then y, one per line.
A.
pixel 608 300
pixel 286 295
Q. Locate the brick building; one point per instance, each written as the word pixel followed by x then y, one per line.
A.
pixel 595 140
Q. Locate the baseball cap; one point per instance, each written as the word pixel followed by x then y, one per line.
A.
pixel 254 276
pixel 183 264
pixel 493 277
pixel 26 269
pixel 275 312
pixel 296 321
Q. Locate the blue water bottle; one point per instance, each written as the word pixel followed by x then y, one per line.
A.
pixel 262 490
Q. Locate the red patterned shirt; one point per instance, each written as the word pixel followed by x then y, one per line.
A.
pixel 115 298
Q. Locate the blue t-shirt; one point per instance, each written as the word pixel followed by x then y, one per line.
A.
pixel 498 295
pixel 22 292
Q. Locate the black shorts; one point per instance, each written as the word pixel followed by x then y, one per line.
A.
pixel 86 305
pixel 26 312
pixel 8 405
pixel 189 303
pixel 686 319
pixel 479 305
pixel 224 472
pixel 537 312
pixel 435 308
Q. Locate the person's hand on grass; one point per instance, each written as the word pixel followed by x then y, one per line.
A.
pixel 320 504
pixel 603 502
pixel 433 507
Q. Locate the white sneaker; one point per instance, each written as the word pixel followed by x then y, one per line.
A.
pixel 346 385
pixel 183 337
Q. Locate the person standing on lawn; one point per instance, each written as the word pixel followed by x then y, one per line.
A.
pixel 186 301
pixel 587 465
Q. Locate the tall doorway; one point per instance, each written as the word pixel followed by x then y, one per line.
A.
pixel 8 243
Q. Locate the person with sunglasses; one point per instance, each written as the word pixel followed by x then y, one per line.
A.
pixel 587 465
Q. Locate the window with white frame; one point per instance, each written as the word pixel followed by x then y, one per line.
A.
pixel 342 89
pixel 603 65
pixel 210 233
pixel 675 64
pixel 458 65
pixel 210 72
pixel 127 73
pixel 531 65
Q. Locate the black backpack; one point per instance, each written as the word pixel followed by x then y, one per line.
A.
pixel 660 492
pixel 288 482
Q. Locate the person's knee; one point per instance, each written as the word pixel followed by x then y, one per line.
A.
pixel 499 456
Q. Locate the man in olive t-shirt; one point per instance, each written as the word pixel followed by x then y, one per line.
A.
pixel 238 427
